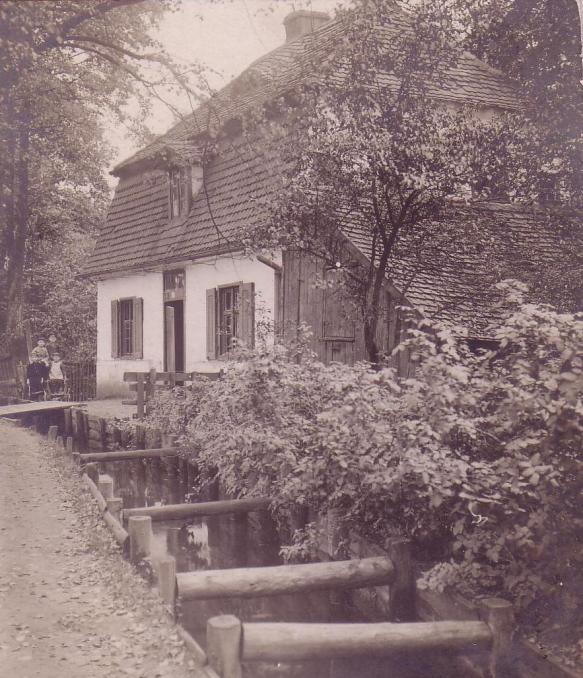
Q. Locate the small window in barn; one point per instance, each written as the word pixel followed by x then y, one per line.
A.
pixel 126 328
pixel 180 191
pixel 230 318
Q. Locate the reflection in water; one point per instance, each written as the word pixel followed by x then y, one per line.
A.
pixel 251 540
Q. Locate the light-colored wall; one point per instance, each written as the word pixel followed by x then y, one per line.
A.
pixel 225 270
pixel 110 370
pixel 200 276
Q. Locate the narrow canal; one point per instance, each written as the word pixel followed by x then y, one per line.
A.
pixel 252 540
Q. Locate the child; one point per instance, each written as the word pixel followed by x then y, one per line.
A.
pixel 56 375
pixel 36 374
pixel 53 346
pixel 41 350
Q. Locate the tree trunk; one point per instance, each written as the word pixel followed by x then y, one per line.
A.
pixel 15 274
pixel 373 310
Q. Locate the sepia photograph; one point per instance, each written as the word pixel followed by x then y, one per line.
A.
pixel 291 339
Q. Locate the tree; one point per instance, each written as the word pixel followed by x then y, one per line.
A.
pixel 378 158
pixel 65 64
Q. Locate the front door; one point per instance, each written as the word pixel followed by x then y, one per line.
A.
pixel 170 338
pixel 174 336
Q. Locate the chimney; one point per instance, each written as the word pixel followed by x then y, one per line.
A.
pixel 302 22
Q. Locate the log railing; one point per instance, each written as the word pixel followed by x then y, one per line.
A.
pixel 200 509
pixel 279 579
pixel 230 642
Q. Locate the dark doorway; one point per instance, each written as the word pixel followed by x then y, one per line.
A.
pixel 174 336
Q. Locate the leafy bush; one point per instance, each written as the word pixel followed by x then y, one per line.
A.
pixel 476 457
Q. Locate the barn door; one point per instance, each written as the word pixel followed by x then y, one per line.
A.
pixel 170 339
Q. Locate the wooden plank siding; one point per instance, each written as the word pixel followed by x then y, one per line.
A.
pixel 337 326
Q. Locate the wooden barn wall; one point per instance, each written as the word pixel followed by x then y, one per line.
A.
pixel 337 327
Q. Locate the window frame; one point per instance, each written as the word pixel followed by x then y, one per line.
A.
pixel 242 311
pixel 179 191
pixel 127 332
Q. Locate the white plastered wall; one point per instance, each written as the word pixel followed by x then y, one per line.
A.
pixel 225 270
pixel 200 276
pixel 110 370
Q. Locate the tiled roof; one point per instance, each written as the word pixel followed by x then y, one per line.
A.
pixel 453 279
pixel 139 235
pixel 470 81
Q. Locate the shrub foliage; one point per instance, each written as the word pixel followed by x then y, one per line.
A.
pixel 476 457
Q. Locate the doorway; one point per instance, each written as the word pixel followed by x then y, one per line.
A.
pixel 174 336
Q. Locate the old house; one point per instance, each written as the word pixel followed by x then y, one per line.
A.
pixel 174 286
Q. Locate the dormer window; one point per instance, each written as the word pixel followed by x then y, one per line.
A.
pixel 179 186
pixel 184 183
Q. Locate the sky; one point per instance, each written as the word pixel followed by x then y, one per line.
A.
pixel 224 36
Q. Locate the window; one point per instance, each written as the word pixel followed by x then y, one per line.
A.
pixel 126 328
pixel 230 316
pixel 173 285
pixel 228 319
pixel 179 191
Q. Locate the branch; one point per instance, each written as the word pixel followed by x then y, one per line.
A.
pixel 152 56
pixel 54 40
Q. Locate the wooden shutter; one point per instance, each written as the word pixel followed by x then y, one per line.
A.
pixel 211 324
pixel 278 306
pixel 114 328
pixel 138 334
pixel 247 314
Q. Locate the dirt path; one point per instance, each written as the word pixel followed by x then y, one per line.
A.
pixel 69 606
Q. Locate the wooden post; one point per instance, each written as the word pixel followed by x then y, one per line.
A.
pixel 105 486
pixel 139 529
pixel 117 438
pixel 92 470
pixel 68 418
pixel 53 433
pixel 114 506
pixel 80 428
pixel 167 580
pixel 151 387
pixel 103 433
pixel 140 437
pixel 60 442
pixel 173 540
pixel 140 395
pixel 335 533
pixel 69 445
pixel 76 458
pixel 223 636
pixel 402 589
pixel 499 616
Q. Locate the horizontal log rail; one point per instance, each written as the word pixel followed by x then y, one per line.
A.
pixel 269 581
pixel 207 508
pixel 127 455
pixel 230 642
pixel 169 376
pixel 294 642
pixel 115 527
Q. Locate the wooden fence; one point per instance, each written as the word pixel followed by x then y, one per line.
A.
pixel 230 642
pixel 9 383
pixel 80 375
pixel 81 379
pixel 144 384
